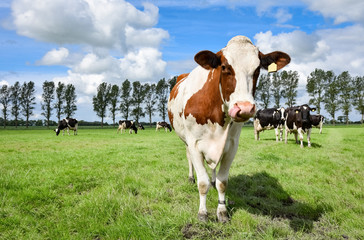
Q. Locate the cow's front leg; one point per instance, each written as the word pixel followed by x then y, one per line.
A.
pixel 203 182
pixel 222 182
pixel 281 134
pixel 276 130
pixel 309 137
pixel 295 137
pixel 301 137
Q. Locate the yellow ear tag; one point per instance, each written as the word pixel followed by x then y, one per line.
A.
pixel 272 67
pixel 296 111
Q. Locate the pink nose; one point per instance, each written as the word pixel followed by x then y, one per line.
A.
pixel 242 111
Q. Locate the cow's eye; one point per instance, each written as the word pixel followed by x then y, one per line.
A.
pixel 223 67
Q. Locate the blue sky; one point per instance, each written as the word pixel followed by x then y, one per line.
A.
pixel 87 42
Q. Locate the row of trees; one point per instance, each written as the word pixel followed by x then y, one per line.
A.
pixel 135 99
pixel 131 100
pixel 335 93
pixel 20 100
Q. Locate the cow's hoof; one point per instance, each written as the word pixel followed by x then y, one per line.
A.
pixel 222 216
pixel 202 217
pixel 309 145
pixel 191 180
pixel 301 146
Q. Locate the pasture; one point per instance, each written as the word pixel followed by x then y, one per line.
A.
pixel 99 185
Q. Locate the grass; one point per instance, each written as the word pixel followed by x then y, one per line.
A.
pixel 99 185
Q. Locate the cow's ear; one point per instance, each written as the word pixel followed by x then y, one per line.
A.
pixel 279 58
pixel 207 59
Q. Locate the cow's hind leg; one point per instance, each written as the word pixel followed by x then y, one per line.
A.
pixel 191 177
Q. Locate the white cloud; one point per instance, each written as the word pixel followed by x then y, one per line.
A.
pixel 55 57
pixel 95 29
pixel 341 11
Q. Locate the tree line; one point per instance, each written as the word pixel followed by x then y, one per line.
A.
pixel 324 88
pixel 130 99
pixel 133 99
pixel 20 100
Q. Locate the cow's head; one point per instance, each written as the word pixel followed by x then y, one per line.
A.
pixel 238 65
pixel 305 113
pixel 57 131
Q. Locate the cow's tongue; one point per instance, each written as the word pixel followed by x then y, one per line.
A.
pixel 234 111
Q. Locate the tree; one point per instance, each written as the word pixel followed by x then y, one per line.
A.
pixel 172 82
pixel 60 98
pixel 331 100
pixel 5 100
pixel 276 89
pixel 315 87
pixel 162 91
pixel 290 83
pixel 150 101
pixel 15 100
pixel 137 100
pixel 114 99
pixel 27 100
pixel 263 92
pixel 101 100
pixel 125 99
pixel 70 99
pixel 358 96
pixel 346 88
pixel 48 97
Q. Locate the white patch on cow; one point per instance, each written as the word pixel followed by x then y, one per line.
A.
pixel 242 55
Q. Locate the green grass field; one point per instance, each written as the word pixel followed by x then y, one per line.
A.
pixel 99 185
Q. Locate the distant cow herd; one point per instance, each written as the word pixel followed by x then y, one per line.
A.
pixel 72 124
pixel 297 120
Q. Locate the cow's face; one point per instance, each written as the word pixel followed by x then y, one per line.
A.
pixel 57 131
pixel 238 66
pixel 305 112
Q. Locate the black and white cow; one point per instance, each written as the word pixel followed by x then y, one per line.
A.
pixel 126 124
pixel 67 124
pixel 298 122
pixel 164 125
pixel 317 121
pixel 266 119
pixel 141 127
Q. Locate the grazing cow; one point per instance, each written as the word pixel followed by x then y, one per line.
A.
pixel 141 127
pixel 266 119
pixel 164 125
pixel 298 122
pixel 317 121
pixel 208 106
pixel 126 124
pixel 67 124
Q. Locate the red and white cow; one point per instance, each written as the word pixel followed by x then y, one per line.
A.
pixel 208 106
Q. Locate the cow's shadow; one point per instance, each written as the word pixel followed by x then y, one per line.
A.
pixel 313 145
pixel 263 195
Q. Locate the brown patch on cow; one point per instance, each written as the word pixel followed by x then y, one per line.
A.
pixel 182 76
pixel 255 79
pixel 203 188
pixel 174 91
pixel 228 80
pixel 206 104
pixel 222 186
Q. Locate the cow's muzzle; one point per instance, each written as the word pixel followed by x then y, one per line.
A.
pixel 242 111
